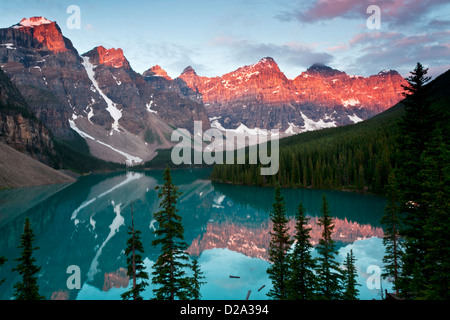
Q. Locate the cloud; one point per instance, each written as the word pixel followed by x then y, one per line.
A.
pixel 217 264
pixel 172 57
pixel 411 31
pixel 374 51
pixel 89 27
pixel 439 24
pixel 394 12
pixel 291 54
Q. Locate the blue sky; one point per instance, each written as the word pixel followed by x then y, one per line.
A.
pixel 216 37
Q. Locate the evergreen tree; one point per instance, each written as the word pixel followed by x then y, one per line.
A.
pixel 169 269
pixel 391 239
pixel 27 289
pixel 278 247
pixel 196 282
pixel 328 271
pixel 302 281
pixel 135 265
pixel 415 132
pixel 435 177
pixel 349 278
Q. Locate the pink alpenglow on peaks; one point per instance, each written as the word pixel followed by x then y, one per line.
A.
pixel 44 31
pixel 112 57
pixel 34 21
pixel 159 72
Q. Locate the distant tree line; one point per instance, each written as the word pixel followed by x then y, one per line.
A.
pixel 356 157
pixel 74 155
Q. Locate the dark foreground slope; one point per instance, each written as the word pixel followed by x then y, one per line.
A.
pixel 19 170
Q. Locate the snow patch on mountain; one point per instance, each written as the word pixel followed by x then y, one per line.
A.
pixel 115 112
pixel 292 129
pixel 311 125
pixel 34 21
pixel 130 159
pixel 117 81
pixel 241 129
pixel 354 118
pixel 149 106
pixel 350 102
pixel 9 46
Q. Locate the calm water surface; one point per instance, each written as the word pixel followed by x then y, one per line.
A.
pixel 226 227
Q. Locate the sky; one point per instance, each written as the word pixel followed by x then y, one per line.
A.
pixel 217 37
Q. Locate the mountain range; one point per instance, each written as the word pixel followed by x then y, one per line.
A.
pixel 125 116
pixel 261 96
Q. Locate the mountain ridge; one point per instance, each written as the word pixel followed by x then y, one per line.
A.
pixel 126 117
pixel 357 157
pixel 95 95
pixel 318 97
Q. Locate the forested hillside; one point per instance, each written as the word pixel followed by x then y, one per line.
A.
pixel 357 157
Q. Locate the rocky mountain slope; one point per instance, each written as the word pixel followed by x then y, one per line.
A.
pixel 19 128
pixel 20 170
pixel 125 116
pixel 97 94
pixel 261 96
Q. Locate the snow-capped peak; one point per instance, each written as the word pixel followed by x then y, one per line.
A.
pixel 384 71
pixel 34 21
pixel 266 62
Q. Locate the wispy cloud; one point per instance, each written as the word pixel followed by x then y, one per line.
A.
pixel 394 12
pixel 439 24
pixel 371 51
pixel 172 57
pixel 292 54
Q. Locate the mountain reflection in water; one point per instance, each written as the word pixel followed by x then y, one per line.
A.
pixel 227 229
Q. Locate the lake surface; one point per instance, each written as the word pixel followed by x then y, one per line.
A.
pixel 85 223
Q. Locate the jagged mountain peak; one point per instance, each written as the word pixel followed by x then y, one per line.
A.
pixel 45 31
pixel 264 63
pixel 156 71
pixel 110 57
pixel 387 72
pixel 34 21
pixel 189 71
pixel 318 65
pixel 266 68
pixel 267 61
pixel 323 70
